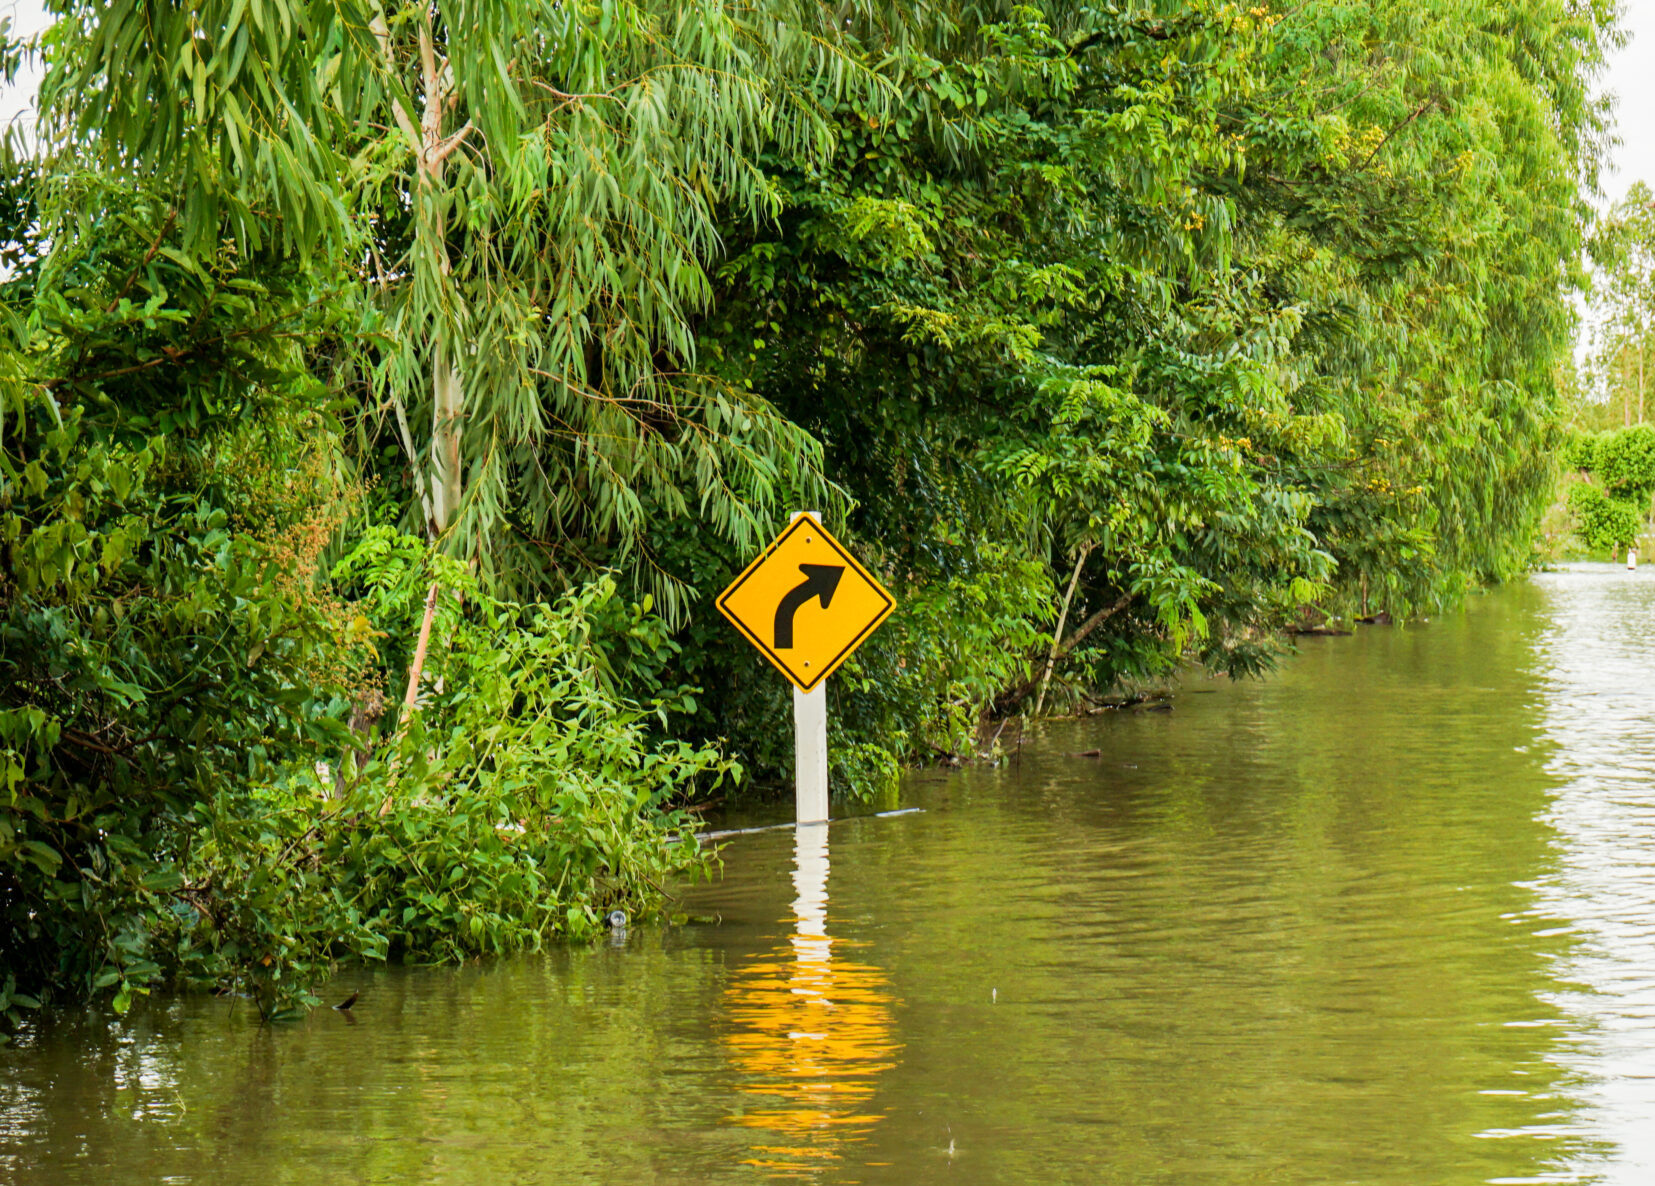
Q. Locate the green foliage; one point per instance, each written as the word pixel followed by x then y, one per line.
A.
pixel 1606 524
pixel 1166 325
pixel 1609 512
pixel 173 666
pixel 1580 450
pixel 919 687
pixel 516 806
pixel 163 489
pixel 1414 188
pixel 1625 462
pixel 531 191
pixel 513 806
pixel 1193 301
pixel 386 576
pixel 947 307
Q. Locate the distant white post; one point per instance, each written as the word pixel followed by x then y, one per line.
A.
pixel 1632 558
pixel 810 752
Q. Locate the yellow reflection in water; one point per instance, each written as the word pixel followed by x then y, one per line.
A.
pixel 811 1032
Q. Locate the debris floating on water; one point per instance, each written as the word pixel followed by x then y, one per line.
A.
pixel 778 827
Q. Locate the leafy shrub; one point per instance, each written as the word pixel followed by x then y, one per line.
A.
pixel 1605 523
pixel 153 660
pixel 518 805
pixel 386 575
pixel 1625 462
pixel 175 677
pixel 1580 451
pixel 198 780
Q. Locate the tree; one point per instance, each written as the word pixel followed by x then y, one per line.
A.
pixel 1415 187
pixel 1006 312
pixel 527 195
pixel 1623 301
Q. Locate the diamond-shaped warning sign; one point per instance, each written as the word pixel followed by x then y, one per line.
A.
pixel 806 603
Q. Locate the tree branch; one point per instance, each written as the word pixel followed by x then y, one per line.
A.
pixel 1018 691
pixel 1093 622
pixel 1057 635
pixel 446 146
pixel 154 250
pixel 1412 116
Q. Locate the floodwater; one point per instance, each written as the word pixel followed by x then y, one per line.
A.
pixel 1388 917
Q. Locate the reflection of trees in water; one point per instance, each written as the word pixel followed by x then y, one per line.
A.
pixel 812 1033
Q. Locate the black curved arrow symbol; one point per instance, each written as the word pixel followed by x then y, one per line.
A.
pixel 821 580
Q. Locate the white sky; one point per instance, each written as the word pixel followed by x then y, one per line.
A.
pixel 17 102
pixel 1631 78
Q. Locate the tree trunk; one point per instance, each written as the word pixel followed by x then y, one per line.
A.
pixel 418 665
pixel 444 484
pixel 447 427
pixel 439 475
pixel 1016 692
pixel 410 699
pixel 1057 635
pixel 447 394
pixel 1626 392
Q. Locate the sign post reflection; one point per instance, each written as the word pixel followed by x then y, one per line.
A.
pixel 810 1032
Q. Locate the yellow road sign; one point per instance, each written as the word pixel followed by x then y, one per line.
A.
pixel 806 603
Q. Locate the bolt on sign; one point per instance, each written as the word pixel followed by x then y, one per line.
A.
pixel 806 603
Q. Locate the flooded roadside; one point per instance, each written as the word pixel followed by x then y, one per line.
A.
pixel 1388 917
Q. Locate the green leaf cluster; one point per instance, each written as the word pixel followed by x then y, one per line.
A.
pixel 1611 506
pixel 1625 462
pixel 1604 523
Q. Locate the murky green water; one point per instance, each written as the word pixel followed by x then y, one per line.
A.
pixel 1387 918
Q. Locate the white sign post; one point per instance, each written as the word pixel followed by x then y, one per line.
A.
pixel 810 764
pixel 810 759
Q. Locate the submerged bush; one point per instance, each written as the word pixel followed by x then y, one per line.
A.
pixel 519 805
pixel 198 782
pixel 157 656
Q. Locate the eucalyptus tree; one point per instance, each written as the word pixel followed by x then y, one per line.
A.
pixel 1623 301
pixel 525 197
